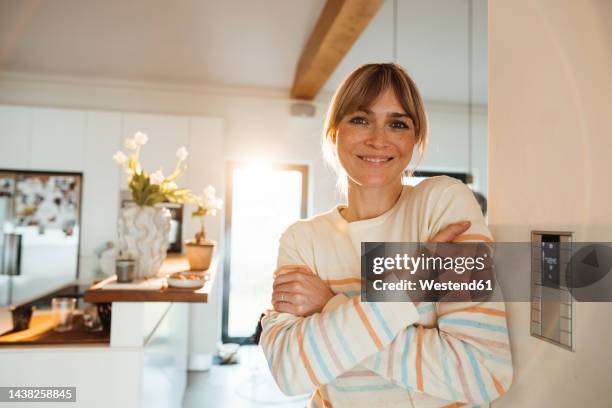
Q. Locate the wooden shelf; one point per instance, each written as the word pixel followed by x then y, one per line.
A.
pixel 96 294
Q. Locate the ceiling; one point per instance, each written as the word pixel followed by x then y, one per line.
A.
pixel 238 43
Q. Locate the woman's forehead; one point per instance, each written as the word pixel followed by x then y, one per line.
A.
pixel 369 102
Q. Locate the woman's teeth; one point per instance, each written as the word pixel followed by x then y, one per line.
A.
pixel 375 159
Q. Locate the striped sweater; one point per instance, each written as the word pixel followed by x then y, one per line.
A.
pixel 357 354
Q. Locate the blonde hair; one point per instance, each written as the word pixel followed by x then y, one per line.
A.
pixel 359 90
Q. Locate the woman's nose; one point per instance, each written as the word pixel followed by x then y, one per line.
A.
pixel 378 137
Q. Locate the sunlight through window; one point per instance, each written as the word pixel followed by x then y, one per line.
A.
pixel 265 200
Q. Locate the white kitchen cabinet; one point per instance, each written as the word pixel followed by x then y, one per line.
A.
pixel 101 180
pixel 448 142
pixel 14 136
pixel 57 140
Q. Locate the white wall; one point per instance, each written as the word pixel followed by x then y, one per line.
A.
pixel 549 168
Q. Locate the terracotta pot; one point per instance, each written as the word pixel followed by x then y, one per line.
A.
pixel 199 254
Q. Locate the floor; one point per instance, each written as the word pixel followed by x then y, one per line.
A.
pixel 247 384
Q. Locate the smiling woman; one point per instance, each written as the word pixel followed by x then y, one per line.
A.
pixel 319 337
pixel 379 116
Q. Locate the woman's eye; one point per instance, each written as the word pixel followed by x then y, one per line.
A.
pixel 398 125
pixel 358 120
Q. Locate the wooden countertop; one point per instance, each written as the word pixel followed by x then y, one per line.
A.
pixel 96 294
pixel 41 332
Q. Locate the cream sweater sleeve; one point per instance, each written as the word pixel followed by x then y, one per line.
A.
pixel 467 357
pixel 306 352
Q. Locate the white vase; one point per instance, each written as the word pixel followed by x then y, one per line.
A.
pixel 144 233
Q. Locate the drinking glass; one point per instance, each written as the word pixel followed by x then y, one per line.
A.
pixel 63 311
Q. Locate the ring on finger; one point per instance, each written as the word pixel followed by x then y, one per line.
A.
pixel 282 297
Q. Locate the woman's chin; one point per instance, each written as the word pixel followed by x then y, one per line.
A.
pixel 374 182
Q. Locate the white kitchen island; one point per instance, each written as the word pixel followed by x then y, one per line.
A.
pixel 144 364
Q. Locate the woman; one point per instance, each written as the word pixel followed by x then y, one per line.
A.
pixel 320 337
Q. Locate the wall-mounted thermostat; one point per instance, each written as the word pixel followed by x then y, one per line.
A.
pixel 552 304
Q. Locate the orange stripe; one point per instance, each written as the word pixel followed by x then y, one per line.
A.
pixel 486 310
pixel 472 237
pixel 454 405
pixel 272 334
pixel 317 396
pixel 278 355
pixel 345 281
pixel 498 386
pixel 367 324
pixel 300 339
pixel 419 358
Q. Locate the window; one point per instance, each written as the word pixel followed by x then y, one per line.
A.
pixel 262 201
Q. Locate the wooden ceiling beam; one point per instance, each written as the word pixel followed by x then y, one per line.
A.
pixel 340 24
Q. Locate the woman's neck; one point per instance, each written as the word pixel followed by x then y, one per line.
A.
pixel 365 203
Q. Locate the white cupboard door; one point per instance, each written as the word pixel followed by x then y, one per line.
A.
pixel 14 136
pixel 206 167
pixel 101 180
pixel 57 141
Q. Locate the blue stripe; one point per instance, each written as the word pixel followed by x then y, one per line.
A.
pixel 364 388
pixel 271 346
pixel 446 371
pixel 342 339
pixel 492 356
pixel 404 362
pixel 377 362
pixel 474 364
pixel 272 353
pixel 284 372
pixel 316 350
pixel 475 323
pixel 351 293
pixel 426 308
pixel 382 321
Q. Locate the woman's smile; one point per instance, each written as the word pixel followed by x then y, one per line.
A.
pixel 375 159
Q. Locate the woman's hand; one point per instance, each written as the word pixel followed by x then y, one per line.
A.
pixel 451 231
pixel 298 291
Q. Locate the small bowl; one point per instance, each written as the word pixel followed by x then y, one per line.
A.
pixel 186 279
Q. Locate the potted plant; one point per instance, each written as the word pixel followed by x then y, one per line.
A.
pixel 143 229
pixel 200 250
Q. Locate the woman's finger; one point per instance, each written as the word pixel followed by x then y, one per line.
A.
pixel 289 277
pixel 286 307
pixel 290 287
pixel 452 231
pixel 289 297
pixel 292 268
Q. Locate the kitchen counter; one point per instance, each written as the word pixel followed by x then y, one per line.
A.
pixel 143 364
pixel 98 294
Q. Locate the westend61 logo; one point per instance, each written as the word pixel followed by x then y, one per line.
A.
pixel 426 272
pixel 478 271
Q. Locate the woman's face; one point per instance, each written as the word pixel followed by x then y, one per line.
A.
pixel 375 144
